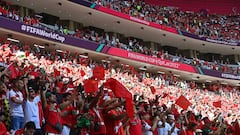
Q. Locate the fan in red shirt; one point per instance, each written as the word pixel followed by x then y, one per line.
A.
pixel 191 128
pixel 113 118
pixel 69 120
pixel 29 129
pixel 98 127
pixel 52 111
pixel 3 128
pixel 135 125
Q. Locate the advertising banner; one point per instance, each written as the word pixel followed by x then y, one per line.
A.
pixel 134 19
pixel 46 34
pixel 220 74
pixel 150 59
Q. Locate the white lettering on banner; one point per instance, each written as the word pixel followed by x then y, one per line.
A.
pixel 230 76
pixel 139 20
pixel 152 60
pixel 43 33
pixel 221 42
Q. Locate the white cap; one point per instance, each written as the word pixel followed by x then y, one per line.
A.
pixel 106 98
pixel 198 131
pixel 170 116
pixel 69 89
pixel 65 80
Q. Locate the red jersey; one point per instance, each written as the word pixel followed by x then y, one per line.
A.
pixel 3 128
pixel 52 116
pixel 135 127
pixel 113 127
pixel 19 132
pixel 189 132
pixel 98 118
pixel 71 119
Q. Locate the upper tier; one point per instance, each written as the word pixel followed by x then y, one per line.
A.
pixel 211 6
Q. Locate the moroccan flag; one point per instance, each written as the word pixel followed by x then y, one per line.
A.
pixel 35 74
pixel 82 73
pixel 98 72
pixel 236 128
pixel 90 85
pixel 153 90
pixel 217 104
pixel 235 106
pixel 120 91
pixel 165 95
pixel 56 72
pixel 183 102
pixel 13 70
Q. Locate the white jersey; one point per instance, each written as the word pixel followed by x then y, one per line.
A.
pixel 16 109
pixel 31 111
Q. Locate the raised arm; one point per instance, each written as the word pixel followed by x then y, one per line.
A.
pixel 110 107
pixel 26 93
pixel 95 100
pixel 43 96
pixel 119 117
pixel 67 103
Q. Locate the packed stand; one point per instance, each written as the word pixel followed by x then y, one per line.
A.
pixel 104 38
pixel 216 27
pixel 47 92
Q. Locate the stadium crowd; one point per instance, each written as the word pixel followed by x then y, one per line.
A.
pixel 47 91
pixel 213 26
pixel 130 44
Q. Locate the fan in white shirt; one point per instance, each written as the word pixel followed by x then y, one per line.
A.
pixel 166 128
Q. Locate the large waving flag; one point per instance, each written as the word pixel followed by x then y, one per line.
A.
pixel 98 72
pixel 120 91
pixel 90 85
pixel 13 71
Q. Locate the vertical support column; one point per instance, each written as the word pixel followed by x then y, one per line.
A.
pixel 152 45
pixel 192 53
pixel 26 12
pixel 21 11
pixel 236 58
pixel 71 25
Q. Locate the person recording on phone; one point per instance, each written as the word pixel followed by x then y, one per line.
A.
pixel 52 110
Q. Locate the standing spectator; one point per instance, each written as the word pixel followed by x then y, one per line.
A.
pixel 170 123
pixel 69 121
pixel 113 118
pixel 162 128
pixel 98 127
pixel 16 101
pixel 191 128
pixel 52 111
pixel 148 126
pixel 4 103
pixel 30 106
pixel 135 126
